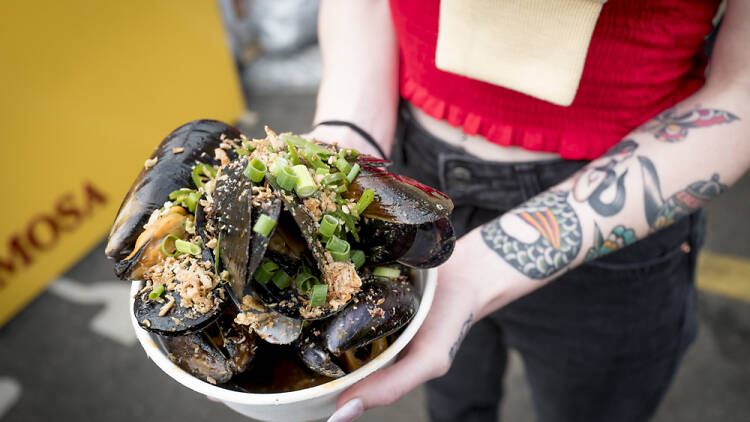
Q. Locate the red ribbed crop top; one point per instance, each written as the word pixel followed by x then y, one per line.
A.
pixel 644 56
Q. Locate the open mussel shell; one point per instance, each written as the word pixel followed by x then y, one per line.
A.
pixel 285 301
pixel 380 309
pixel 148 251
pixel 179 320
pixel 239 248
pixel 170 172
pixel 219 352
pixel 328 269
pixel 271 326
pixel 407 222
pixel 310 348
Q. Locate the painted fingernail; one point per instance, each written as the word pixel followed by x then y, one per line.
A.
pixel 348 412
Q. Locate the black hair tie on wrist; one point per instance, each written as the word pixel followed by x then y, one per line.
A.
pixel 366 136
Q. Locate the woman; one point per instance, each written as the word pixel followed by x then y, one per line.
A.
pixel 550 199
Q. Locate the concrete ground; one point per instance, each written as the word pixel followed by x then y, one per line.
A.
pixel 72 356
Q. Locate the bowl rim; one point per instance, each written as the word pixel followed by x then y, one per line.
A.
pixel 154 352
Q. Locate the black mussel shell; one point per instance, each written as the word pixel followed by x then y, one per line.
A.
pixel 232 218
pixel 423 245
pixel 221 351
pixel 310 348
pixel 179 320
pixel 286 301
pixel 380 309
pixel 170 172
pixel 407 222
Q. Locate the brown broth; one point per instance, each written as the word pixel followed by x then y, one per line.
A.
pixel 277 369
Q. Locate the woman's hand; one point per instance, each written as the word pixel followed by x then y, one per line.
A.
pixel 460 300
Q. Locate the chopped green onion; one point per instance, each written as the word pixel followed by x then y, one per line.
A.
pixel 265 271
pixel 287 178
pixel 305 144
pixel 349 222
pixel 318 295
pixel 277 165
pixel 264 225
pixel 164 243
pixel 314 161
pixel 192 201
pixel 348 153
pixel 281 279
pixel 305 185
pixel 352 173
pixel 270 265
pixel 216 254
pixel 328 225
pixel 340 256
pixel 337 244
pixel 186 247
pixel 387 272
pixel 188 198
pixel 365 200
pixel 241 151
pixel 255 170
pixel 343 165
pixel 179 193
pixel 322 171
pixel 339 249
pixel 293 156
pixel 358 258
pixel 200 171
pixel 304 281
pixel 248 146
pixel 156 292
pixel 341 188
pixel 334 178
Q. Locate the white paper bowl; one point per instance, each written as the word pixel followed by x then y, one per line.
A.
pixel 297 406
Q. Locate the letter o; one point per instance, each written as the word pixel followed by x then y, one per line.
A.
pixel 33 229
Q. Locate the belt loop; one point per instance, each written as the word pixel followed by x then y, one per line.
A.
pixel 528 179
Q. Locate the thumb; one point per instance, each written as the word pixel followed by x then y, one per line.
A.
pixel 390 384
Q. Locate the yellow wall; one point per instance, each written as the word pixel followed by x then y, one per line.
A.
pixel 88 89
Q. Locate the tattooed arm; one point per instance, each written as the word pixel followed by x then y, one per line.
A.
pixel 662 171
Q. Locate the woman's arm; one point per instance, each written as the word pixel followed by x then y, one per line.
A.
pixel 661 172
pixel 360 72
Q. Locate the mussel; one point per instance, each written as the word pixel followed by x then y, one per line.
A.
pixel 380 309
pixel 216 354
pixel 168 169
pixel 408 222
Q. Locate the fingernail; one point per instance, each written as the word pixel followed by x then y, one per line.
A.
pixel 348 412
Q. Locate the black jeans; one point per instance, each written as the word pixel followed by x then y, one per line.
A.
pixel 600 343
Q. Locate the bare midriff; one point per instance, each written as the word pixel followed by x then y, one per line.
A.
pixel 476 145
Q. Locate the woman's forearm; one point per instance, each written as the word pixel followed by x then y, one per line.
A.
pixel 360 68
pixel 664 170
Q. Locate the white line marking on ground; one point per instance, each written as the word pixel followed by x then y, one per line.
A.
pixel 113 321
pixel 10 392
